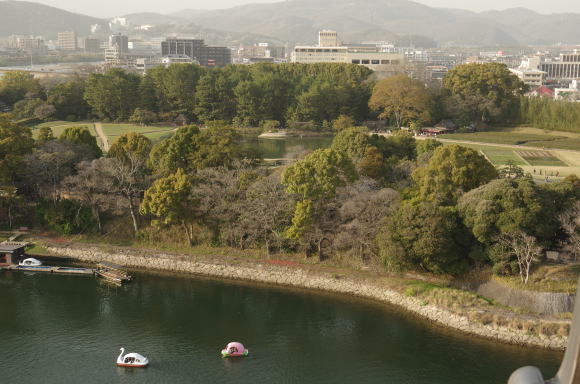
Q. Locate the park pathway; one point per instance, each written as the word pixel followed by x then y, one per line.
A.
pixel 101 133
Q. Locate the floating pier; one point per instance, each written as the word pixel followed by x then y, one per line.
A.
pixel 49 269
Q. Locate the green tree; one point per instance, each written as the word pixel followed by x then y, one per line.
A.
pixel 175 87
pixel 425 237
pixel 113 95
pixel 427 146
pixel 402 99
pixel 45 134
pixel 343 122
pixel 68 101
pixel 451 171
pixel 170 200
pixel 142 117
pixel 16 85
pixel 313 179
pixel 81 135
pixel 173 153
pixel 509 205
pixel 511 170
pixel 484 92
pixel 15 142
pixel 131 145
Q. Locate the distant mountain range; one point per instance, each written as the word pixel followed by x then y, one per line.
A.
pixel 298 21
pixel 26 18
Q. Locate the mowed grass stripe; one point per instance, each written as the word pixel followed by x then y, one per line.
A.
pixel 501 157
pixel 541 158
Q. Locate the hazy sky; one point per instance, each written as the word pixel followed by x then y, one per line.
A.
pixel 103 8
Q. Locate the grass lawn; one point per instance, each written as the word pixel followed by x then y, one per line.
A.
pixel 59 126
pixel 502 156
pixel 530 137
pixel 154 133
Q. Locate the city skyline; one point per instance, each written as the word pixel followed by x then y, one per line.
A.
pixel 109 8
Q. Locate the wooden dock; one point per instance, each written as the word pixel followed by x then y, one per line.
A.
pixel 49 269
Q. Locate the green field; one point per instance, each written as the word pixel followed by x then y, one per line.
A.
pixel 59 126
pixel 520 136
pixel 154 133
pixel 502 156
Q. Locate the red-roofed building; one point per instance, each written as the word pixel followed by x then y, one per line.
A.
pixel 542 91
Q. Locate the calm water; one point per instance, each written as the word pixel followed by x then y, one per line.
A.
pixel 64 329
pixel 279 148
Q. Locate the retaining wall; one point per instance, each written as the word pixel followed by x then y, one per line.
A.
pixel 298 277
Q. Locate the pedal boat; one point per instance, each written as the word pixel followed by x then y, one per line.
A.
pixel 133 360
pixel 235 349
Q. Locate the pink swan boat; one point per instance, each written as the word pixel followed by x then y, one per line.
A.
pixel 235 349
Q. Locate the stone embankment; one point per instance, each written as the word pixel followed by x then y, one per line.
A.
pixel 296 276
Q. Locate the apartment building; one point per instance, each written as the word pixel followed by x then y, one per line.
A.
pixel 67 41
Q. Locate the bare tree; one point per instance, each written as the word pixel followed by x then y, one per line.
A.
pixel 570 222
pixel 526 250
pixel 129 179
pixel 266 212
pixel 48 165
pixel 91 186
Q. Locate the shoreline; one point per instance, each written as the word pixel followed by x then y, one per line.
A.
pixel 298 276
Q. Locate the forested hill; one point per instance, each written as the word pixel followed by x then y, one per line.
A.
pixel 27 18
pixel 299 21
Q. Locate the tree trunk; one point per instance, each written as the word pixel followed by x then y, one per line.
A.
pixel 189 233
pixel 10 216
pixel 97 216
pixel 133 217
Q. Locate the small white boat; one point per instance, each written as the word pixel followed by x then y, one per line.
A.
pixel 30 262
pixel 134 360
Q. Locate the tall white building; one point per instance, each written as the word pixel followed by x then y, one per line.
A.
pixel 330 50
pixel 328 38
pixel 529 72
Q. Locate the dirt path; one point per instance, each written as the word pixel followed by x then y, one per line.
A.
pixel 101 133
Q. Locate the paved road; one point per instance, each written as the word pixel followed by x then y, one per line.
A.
pixel 101 133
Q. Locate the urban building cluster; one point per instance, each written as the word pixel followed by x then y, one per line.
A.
pixel 551 72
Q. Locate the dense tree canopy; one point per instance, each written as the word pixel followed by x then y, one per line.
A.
pixel 113 95
pixel 15 142
pixel 451 171
pixel 82 135
pixel 425 236
pixel 401 99
pixel 483 92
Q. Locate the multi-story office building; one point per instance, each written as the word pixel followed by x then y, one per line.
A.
pixel 196 49
pixel 91 45
pixel 67 41
pixel 566 67
pixel 371 56
pixel 120 41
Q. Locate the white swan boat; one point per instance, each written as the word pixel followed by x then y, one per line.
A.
pixel 134 360
pixel 30 262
